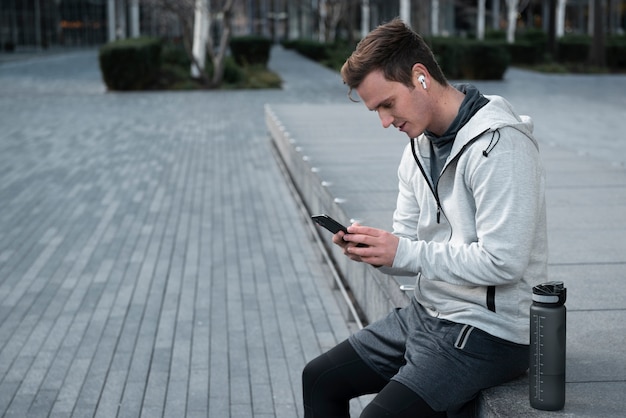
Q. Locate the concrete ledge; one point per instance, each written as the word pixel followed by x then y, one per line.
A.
pixel 375 293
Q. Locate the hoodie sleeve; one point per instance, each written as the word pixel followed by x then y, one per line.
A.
pixel 407 212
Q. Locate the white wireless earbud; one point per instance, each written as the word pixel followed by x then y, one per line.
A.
pixel 422 81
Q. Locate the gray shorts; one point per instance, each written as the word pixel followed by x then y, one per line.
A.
pixel 445 363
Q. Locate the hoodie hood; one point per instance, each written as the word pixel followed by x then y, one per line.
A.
pixel 496 114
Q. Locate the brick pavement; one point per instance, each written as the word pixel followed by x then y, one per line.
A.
pixel 152 259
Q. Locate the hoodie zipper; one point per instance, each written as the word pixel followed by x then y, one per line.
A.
pixel 434 189
pixel 429 182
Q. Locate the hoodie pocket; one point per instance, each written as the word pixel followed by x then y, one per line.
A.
pixel 463 337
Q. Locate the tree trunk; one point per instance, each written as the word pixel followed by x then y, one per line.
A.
pixel 597 54
pixel 365 17
pixel 560 18
pixel 321 36
pixel 552 27
pixel 219 59
pixel 200 31
pixel 512 19
pixel 480 25
pixel 405 11
pixel 495 14
pixel 434 17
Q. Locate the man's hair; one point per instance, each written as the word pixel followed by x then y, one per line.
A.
pixel 392 48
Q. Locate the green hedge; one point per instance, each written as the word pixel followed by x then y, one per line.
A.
pixel 485 61
pixel 459 59
pixel 449 55
pixel 251 50
pixel 471 59
pixel 495 35
pixel 233 73
pixel 332 55
pixel 130 64
pixel 573 49
pixel 149 64
pixel 174 53
pixel 317 51
pixel 525 53
pixel 338 53
pixel 616 53
pixel 529 47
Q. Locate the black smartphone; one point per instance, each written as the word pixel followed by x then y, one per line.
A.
pixel 332 225
pixel 329 223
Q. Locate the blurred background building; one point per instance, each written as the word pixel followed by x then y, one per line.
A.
pixel 46 23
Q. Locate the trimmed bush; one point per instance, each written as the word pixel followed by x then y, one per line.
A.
pixel 337 54
pixel 317 51
pixel 130 64
pixel 251 50
pixel 175 54
pixel 524 53
pixel 332 55
pixel 495 35
pixel 449 55
pixel 149 64
pixel 471 59
pixel 484 60
pixel 234 74
pixel 529 47
pixel 573 49
pixel 257 77
pixel 533 35
pixel 616 53
pixel 174 77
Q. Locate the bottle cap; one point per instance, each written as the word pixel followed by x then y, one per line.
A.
pixel 551 293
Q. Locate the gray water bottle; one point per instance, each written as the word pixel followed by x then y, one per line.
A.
pixel 547 346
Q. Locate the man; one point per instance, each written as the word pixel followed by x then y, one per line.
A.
pixel 470 223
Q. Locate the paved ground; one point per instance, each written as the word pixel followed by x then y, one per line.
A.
pixel 153 261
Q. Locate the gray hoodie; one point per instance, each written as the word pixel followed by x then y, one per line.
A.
pixel 477 239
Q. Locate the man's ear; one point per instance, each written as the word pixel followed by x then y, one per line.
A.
pixel 417 70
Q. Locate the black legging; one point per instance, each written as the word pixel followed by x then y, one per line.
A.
pixel 332 379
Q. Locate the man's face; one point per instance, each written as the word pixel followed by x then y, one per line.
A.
pixel 405 108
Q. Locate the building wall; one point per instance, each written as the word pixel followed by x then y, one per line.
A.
pixel 36 23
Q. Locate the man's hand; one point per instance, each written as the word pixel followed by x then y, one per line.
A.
pixel 379 246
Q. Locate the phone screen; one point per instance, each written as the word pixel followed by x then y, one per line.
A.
pixel 332 225
pixel 329 223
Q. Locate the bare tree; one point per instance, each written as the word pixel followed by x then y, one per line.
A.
pixel 480 25
pixel 512 19
pixel 220 16
pixel 434 17
pixel 405 11
pixel 552 38
pixel 365 17
pixel 182 11
pixel 560 18
pixel 495 14
pixel 219 57
pixel 331 12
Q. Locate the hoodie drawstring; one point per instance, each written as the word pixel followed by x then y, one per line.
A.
pixel 492 143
